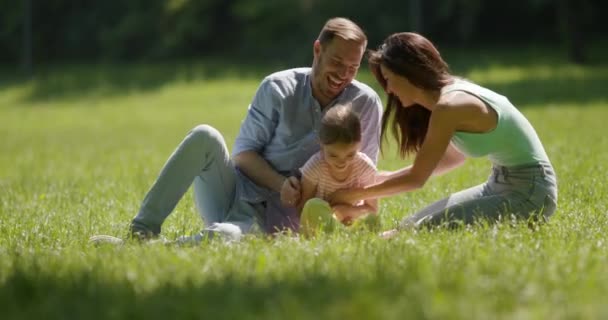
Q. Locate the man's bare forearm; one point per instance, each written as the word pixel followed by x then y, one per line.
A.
pixel 258 170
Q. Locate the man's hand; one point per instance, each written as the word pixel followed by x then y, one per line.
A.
pixel 290 192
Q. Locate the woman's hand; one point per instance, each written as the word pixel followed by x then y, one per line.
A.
pixel 344 196
pixel 382 176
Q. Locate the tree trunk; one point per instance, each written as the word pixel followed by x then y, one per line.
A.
pixel 415 15
pixel 27 38
pixel 570 14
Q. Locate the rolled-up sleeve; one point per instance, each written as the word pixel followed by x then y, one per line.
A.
pixel 258 127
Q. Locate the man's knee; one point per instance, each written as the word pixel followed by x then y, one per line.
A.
pixel 204 134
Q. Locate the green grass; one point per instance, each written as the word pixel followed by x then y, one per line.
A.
pixel 80 145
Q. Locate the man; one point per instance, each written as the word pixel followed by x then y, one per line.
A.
pixel 258 187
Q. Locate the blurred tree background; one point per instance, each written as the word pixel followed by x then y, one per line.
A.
pixel 51 31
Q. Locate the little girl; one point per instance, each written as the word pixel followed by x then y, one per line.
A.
pixel 338 165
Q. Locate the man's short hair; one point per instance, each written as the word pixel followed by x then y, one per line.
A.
pixel 343 28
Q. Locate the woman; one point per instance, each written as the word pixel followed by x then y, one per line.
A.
pixel 443 119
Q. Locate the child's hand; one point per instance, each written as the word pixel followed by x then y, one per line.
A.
pixel 343 214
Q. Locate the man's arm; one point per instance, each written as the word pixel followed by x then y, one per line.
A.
pixel 258 170
pixel 255 134
pixel 261 173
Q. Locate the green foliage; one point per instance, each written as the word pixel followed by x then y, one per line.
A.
pixel 82 143
pixel 282 30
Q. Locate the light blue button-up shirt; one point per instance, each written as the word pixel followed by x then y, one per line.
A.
pixel 283 121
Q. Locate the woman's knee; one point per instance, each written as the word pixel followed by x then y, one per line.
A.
pixel 549 207
pixel 449 217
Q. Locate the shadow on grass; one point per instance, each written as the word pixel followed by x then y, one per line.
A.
pixel 561 89
pixel 535 76
pixel 72 81
pixel 83 296
pixel 542 76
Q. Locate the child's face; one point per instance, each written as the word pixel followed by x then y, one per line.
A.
pixel 339 156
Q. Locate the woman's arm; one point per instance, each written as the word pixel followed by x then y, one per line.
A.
pixel 372 205
pixel 452 158
pixel 431 152
pixel 442 126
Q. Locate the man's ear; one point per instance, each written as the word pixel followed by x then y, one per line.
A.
pixel 316 48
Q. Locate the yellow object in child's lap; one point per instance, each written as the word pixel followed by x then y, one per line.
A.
pixel 317 216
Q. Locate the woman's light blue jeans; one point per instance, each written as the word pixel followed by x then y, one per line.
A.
pixel 527 191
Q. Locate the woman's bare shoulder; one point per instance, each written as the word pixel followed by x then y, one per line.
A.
pixel 459 100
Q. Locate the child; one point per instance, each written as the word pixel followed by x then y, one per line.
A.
pixel 338 165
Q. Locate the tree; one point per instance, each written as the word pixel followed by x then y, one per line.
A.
pixel 571 15
pixel 27 62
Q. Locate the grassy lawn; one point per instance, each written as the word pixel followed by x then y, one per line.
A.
pixel 80 145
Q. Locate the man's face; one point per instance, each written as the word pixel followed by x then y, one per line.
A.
pixel 335 65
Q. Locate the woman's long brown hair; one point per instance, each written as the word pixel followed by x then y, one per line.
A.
pixel 412 56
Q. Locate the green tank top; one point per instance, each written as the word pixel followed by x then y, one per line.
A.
pixel 513 142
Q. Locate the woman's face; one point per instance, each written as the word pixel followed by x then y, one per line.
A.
pixel 398 86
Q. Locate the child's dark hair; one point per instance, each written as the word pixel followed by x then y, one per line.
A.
pixel 340 124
